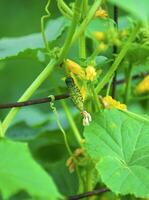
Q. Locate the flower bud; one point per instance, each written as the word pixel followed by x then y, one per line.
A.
pixel 99 35
pixel 101 13
pixel 75 68
pixel 90 73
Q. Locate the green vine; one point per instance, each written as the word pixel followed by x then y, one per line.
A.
pixel 117 61
pixel 64 9
pixel 43 18
pixel 46 72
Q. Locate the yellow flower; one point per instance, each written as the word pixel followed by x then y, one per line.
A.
pixel 99 35
pixel 102 46
pixel 143 86
pixel 75 68
pixel 109 103
pixel 101 13
pixel 90 73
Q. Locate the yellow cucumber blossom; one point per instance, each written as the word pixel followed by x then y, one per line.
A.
pixel 143 86
pixel 99 35
pixel 90 73
pixel 101 13
pixel 109 103
pixel 74 68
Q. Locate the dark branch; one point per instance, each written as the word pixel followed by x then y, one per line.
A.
pixel 115 9
pixel 58 97
pixel 88 194
pixel 33 102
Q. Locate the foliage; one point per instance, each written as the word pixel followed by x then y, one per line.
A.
pixel 122 156
pixel 98 137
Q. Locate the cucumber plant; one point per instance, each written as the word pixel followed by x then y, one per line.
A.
pixel 92 56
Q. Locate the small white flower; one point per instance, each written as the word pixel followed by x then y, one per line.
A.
pixel 86 118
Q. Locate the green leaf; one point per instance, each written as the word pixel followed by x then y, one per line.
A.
pixel 120 145
pixel 50 150
pixel 29 44
pixel 22 173
pixel 140 9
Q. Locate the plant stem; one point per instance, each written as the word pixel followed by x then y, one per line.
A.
pixel 46 72
pixel 109 86
pixel 82 42
pixel 95 53
pixel 141 98
pixel 117 61
pixel 28 93
pixel 95 97
pixel 137 116
pixel 42 25
pixel 128 84
pixel 72 123
pixel 85 22
pixel 82 48
pixel 61 128
pixel 64 9
pixel 1 131
pixel 72 29
pixel 115 10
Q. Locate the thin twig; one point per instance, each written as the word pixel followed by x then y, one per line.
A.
pixel 115 50
pixel 88 194
pixel 33 102
pixel 58 97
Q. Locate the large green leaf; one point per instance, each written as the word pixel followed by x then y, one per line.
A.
pixel 120 145
pixel 140 9
pixel 10 47
pixel 22 173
